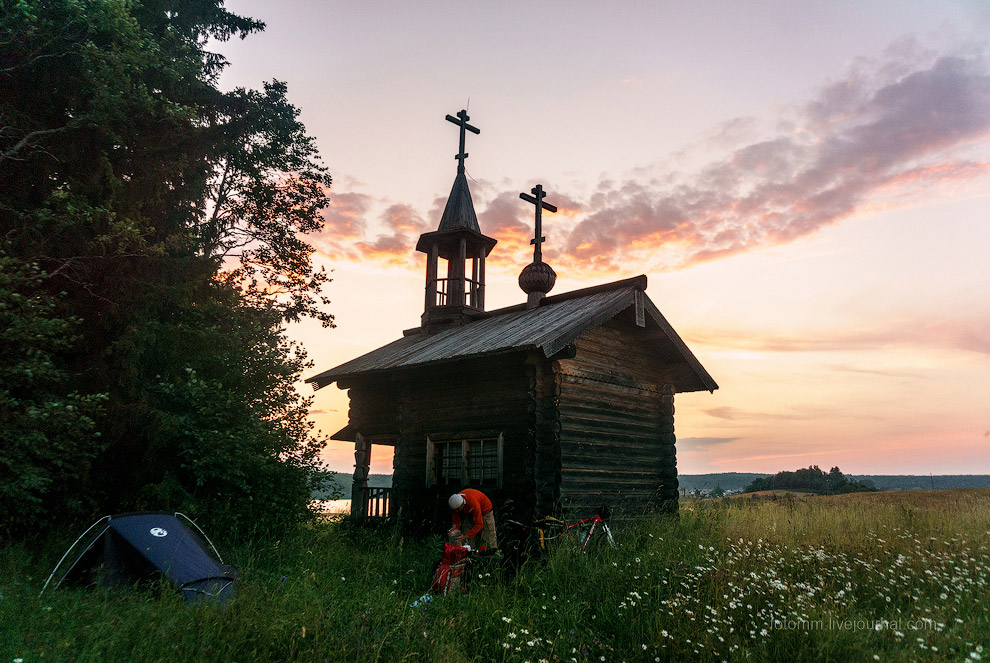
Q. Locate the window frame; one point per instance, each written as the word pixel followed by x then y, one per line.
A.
pixel 434 468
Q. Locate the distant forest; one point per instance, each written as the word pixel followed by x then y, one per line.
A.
pixel 813 479
pixel 736 481
pixel 732 481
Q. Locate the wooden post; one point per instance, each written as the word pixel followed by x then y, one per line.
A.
pixel 481 283
pixel 431 471
pixel 362 463
pixel 431 277
pixel 473 301
pixel 461 277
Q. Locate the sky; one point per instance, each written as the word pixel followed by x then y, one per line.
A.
pixel 806 185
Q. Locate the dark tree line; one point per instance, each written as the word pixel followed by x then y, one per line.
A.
pixel 812 479
pixel 152 248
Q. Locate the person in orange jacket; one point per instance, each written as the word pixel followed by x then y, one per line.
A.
pixel 472 515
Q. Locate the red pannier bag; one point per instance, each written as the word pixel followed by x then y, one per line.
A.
pixel 451 573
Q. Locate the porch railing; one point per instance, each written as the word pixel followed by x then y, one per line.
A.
pixel 373 503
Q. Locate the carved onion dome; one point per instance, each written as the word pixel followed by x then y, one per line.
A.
pixel 537 277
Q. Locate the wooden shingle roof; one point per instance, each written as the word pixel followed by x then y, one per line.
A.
pixel 547 328
pixel 459 212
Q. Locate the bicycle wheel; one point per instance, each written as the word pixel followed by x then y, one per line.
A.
pixel 596 536
pixel 608 535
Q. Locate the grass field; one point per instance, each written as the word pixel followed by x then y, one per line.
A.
pixel 878 576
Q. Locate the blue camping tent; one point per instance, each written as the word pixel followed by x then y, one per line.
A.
pixel 129 548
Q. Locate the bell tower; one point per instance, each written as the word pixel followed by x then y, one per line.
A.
pixel 455 253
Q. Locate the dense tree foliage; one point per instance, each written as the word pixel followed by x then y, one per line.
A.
pixel 811 479
pixel 47 433
pixel 151 249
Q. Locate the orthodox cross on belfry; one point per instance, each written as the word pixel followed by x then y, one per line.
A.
pixel 537 199
pixel 462 121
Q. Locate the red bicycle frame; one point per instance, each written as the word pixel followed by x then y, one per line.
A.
pixel 596 521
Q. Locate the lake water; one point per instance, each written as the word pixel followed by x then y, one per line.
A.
pixel 333 506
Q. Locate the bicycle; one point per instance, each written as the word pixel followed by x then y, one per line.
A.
pixel 588 527
pixel 581 534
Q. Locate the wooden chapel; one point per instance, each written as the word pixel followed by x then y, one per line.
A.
pixel 556 405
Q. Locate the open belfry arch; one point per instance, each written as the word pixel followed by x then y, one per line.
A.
pixel 560 403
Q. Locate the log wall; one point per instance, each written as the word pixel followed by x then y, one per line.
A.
pixel 617 433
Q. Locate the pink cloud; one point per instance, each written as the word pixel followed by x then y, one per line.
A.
pixel 343 223
pixel 884 133
pixel 793 413
pixel 966 332
pixel 396 246
pixel 884 127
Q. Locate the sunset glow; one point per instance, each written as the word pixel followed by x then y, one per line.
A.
pixel 808 193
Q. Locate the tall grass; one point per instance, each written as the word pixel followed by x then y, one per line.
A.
pixel 902 577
